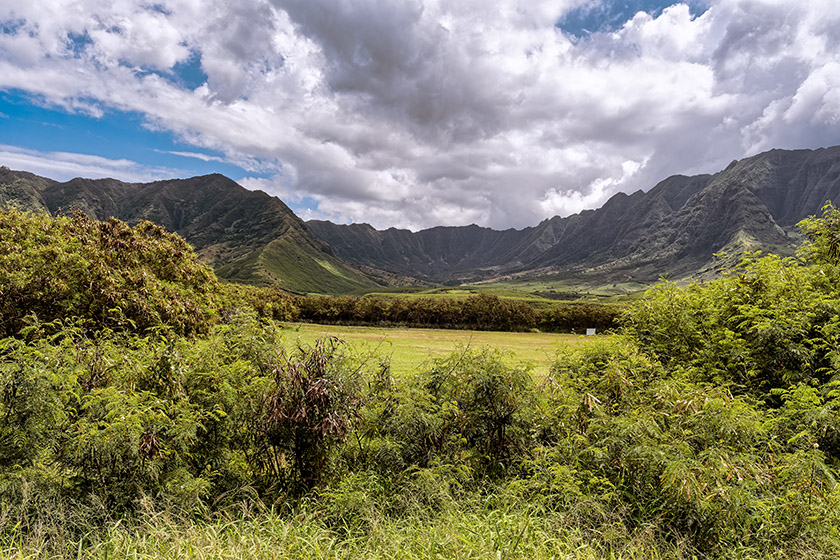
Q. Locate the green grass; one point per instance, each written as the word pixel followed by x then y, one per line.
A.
pixel 454 533
pixel 463 293
pixel 540 293
pixel 554 290
pixel 472 532
pixel 411 349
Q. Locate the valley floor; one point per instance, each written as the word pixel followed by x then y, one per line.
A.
pixel 409 349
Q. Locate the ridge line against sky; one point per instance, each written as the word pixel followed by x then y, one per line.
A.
pixel 415 113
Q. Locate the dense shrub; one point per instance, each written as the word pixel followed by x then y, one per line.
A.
pixel 489 404
pixel 307 409
pixel 117 418
pixel 267 302
pixel 108 273
pixel 577 317
pixel 687 457
pixel 771 324
pixel 469 409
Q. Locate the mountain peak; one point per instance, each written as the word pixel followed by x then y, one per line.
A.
pixel 247 236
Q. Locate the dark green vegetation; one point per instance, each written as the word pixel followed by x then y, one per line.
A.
pixel 710 428
pixel 107 272
pixel 478 312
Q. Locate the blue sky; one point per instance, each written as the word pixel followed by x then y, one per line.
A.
pixel 31 124
pixel 597 17
pixel 415 113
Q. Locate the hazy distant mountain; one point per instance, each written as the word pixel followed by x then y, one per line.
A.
pixel 247 236
pixel 674 228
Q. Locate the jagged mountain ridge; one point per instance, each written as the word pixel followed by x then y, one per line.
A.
pixel 674 228
pixel 247 236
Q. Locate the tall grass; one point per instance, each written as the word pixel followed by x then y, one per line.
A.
pixel 464 532
pixel 493 526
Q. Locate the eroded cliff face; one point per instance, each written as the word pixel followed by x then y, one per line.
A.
pixel 674 228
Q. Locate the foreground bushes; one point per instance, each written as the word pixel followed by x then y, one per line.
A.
pixel 110 420
pixel 711 427
pixel 112 274
pixel 613 437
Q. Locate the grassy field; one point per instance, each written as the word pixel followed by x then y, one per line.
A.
pixel 554 290
pixel 463 292
pixel 540 293
pixel 410 349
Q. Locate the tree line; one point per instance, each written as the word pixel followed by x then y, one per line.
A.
pixel 477 311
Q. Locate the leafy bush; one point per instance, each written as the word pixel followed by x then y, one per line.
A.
pixel 770 325
pixel 571 317
pixel 308 409
pixel 469 409
pixel 267 302
pixel 117 418
pixel 687 456
pixel 107 273
pixel 488 403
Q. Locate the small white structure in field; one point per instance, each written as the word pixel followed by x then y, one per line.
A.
pixel 590 332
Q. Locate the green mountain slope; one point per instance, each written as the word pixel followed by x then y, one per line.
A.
pixel 674 228
pixel 246 236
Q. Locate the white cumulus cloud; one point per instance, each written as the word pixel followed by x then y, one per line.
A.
pixel 416 113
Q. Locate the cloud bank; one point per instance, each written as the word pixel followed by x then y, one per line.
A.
pixel 64 165
pixel 414 113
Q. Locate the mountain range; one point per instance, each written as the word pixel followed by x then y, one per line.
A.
pixel 246 236
pixel 675 228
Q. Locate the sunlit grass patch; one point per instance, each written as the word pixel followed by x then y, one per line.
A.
pixel 411 349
